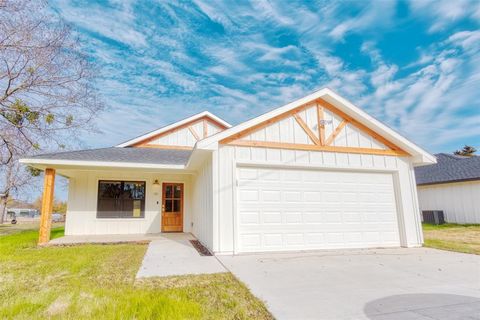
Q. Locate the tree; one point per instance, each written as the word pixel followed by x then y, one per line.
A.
pixel 47 93
pixel 58 205
pixel 467 151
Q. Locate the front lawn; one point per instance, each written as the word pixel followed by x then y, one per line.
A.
pixel 98 282
pixel 453 237
pixel 8 228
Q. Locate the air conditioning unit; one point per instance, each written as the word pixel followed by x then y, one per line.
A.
pixel 433 216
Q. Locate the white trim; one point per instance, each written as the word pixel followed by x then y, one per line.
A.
pixel 420 156
pixel 402 231
pixel 215 200
pixel 416 205
pixel 173 125
pixel 101 164
pixel 236 215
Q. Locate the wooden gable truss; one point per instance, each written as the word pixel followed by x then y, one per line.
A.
pixel 326 131
pixel 195 130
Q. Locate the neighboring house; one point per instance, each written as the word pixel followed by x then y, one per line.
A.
pixel 22 213
pixel 316 173
pixel 453 186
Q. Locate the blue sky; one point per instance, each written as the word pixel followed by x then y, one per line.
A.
pixel 414 65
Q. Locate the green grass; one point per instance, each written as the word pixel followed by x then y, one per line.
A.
pixel 98 282
pixel 453 237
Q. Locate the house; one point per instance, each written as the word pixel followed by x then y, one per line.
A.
pixel 315 173
pixel 453 186
pixel 22 213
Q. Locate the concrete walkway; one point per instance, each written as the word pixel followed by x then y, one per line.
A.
pixel 381 284
pixel 173 255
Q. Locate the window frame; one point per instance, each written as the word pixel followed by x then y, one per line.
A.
pixel 122 181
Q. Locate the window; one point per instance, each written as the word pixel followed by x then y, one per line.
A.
pixel 121 199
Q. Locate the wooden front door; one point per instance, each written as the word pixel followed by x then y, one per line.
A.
pixel 172 207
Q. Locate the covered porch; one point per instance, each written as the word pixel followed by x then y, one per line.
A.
pixel 123 200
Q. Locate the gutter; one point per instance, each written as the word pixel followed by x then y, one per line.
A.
pixel 101 164
pixel 447 182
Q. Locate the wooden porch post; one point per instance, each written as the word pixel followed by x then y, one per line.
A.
pixel 47 206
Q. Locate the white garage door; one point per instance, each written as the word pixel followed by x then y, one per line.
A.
pixel 282 209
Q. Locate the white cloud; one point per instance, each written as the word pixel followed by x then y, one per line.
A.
pixel 270 53
pixel 445 12
pixel 116 23
pixel 377 15
pixel 468 40
pixel 427 103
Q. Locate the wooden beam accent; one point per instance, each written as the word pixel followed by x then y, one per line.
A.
pixel 313 147
pixel 47 206
pixel 320 124
pixel 305 128
pixel 265 123
pixel 205 129
pixel 164 146
pixel 360 126
pixel 336 132
pixel 192 131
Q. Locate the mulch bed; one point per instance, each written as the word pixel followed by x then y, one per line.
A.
pixel 200 248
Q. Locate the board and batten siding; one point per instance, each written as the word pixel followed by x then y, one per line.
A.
pixel 82 203
pixel 230 157
pixel 458 201
pixel 202 204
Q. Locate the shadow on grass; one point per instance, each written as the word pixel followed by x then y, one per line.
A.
pixel 57 232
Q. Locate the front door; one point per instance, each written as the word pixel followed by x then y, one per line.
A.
pixel 172 207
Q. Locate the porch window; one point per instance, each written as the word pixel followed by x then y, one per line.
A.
pixel 121 199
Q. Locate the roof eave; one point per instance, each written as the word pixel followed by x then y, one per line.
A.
pixel 448 182
pixel 43 163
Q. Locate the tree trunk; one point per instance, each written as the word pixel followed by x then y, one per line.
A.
pixel 3 208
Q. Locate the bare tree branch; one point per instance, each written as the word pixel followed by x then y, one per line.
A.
pixel 47 92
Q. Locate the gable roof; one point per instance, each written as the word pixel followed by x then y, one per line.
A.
pixel 124 156
pixel 449 168
pixel 174 125
pixel 419 155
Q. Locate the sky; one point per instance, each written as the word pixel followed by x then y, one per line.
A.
pixel 413 65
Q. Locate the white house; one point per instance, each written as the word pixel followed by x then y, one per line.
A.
pixel 453 186
pixel 315 173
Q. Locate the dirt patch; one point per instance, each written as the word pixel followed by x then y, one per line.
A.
pixel 59 306
pixel 455 234
pixel 456 238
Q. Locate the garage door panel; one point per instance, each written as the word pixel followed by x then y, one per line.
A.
pixel 315 240
pixel 301 209
pixel 294 217
pixel 317 227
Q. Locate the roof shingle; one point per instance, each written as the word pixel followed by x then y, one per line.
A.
pixel 449 168
pixel 114 154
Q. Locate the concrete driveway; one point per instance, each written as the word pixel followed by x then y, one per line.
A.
pixel 376 284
